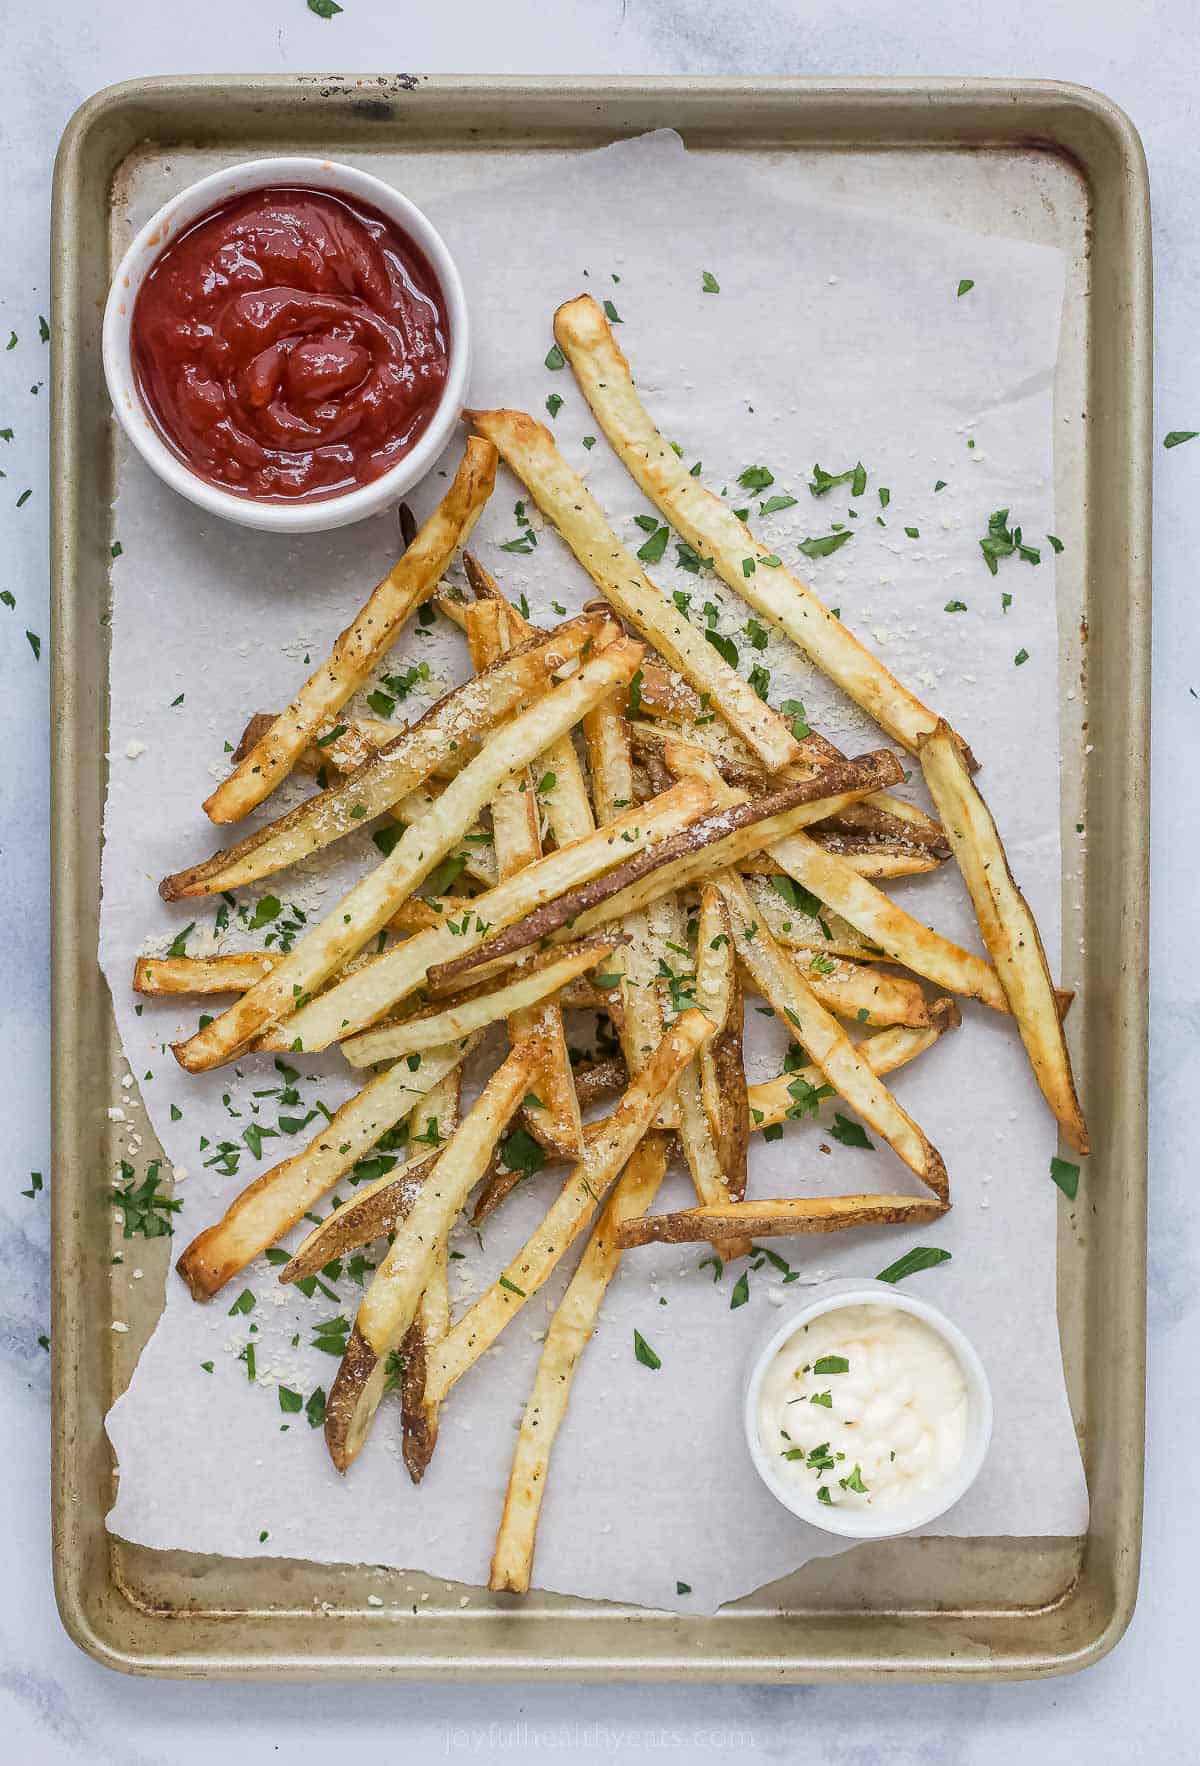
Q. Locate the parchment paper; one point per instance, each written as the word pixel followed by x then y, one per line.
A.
pixel 837 335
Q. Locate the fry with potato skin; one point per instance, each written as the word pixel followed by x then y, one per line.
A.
pixel 586 339
pixel 364 642
pixel 366 908
pixel 1009 928
pixel 593 1085
pixel 828 1046
pixel 449 734
pixel 604 1158
pixel 723 835
pixel 530 450
pixel 358 1000
pixel 274 1202
pixel 418 1414
pixel 390 1303
pixel 570 1332
pixel 778 1217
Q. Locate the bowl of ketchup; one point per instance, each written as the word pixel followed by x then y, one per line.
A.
pixel 286 344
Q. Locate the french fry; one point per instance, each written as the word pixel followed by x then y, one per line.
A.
pixel 879 859
pixel 700 1151
pixel 418 1414
pixel 568 1336
pixel 229 974
pixel 274 1202
pixel 777 1217
pixel 604 1157
pixel 426 1030
pixel 372 1212
pixel 366 908
pixel 1009 928
pixel 516 827
pixel 720 1064
pixel 862 994
pixel 364 642
pixel 585 338
pixel 782 1098
pixel 896 934
pixel 450 729
pixel 352 1004
pixel 390 1303
pixel 532 453
pixel 640 1026
pixel 828 1046
pixel 714 841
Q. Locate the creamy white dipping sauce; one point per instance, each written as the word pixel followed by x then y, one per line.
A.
pixel 864 1407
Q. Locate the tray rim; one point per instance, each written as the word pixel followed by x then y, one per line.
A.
pixel 943 103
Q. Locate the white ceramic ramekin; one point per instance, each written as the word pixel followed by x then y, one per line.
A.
pixel 180 212
pixel 885 1523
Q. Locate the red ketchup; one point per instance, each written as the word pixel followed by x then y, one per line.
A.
pixel 291 344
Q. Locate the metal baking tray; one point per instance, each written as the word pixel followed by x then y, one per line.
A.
pixel 1044 161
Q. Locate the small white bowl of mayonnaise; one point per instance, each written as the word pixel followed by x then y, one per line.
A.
pixel 867 1412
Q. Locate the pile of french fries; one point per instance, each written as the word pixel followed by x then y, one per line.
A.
pixel 642 835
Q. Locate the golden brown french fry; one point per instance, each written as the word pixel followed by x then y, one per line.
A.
pixel 719 1062
pixel 897 934
pixel 593 1085
pixel 450 732
pixel 364 642
pixel 229 974
pixel 516 826
pixel 1009 928
pixel 426 1030
pixel 713 841
pixel 418 1414
pixel 777 1217
pixel 585 338
pixel 568 1336
pixel 365 996
pixel 604 1157
pixel 827 1044
pixel 532 453
pixel 389 1305
pixel 274 1202
pixel 862 994
pixel 366 908
pixel 789 1095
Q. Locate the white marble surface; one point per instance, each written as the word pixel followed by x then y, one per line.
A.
pixel 55 1704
